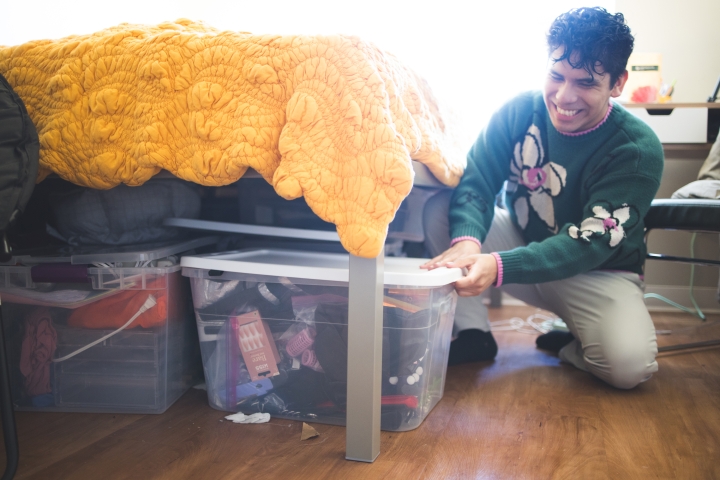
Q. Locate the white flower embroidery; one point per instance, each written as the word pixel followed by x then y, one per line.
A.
pixel 543 181
pixel 603 222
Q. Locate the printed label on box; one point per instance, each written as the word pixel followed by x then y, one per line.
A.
pixel 256 345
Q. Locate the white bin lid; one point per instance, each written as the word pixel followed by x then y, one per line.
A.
pixel 319 266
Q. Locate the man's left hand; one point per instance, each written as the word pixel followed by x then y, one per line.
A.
pixel 482 273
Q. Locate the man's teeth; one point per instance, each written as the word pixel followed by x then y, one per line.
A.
pixel 567 113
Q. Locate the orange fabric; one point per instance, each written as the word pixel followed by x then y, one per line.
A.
pixel 333 119
pixel 115 311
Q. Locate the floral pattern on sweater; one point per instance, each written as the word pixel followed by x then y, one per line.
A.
pixel 603 223
pixel 542 179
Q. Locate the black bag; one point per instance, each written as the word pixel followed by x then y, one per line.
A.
pixel 19 159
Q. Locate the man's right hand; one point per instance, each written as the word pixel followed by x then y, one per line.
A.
pixel 460 250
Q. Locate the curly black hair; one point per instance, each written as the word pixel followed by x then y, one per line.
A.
pixel 592 36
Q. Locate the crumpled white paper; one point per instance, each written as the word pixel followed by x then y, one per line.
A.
pixel 254 418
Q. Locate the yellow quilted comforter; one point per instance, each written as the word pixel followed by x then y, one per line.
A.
pixel 330 118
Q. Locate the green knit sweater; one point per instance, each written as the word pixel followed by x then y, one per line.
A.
pixel 578 200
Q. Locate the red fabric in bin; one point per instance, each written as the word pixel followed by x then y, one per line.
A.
pixel 38 348
pixel 115 311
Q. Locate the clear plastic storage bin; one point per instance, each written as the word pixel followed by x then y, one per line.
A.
pixel 273 334
pixel 100 332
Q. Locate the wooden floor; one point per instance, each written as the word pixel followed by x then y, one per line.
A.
pixel 525 415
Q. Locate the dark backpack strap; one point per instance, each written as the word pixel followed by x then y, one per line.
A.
pixel 19 158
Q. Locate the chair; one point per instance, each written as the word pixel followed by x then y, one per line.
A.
pixel 695 215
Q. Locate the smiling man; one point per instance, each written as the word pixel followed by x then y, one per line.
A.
pixel 577 174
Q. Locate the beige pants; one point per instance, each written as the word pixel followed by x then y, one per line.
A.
pixel 605 311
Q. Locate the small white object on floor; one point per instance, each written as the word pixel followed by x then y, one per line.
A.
pixel 254 418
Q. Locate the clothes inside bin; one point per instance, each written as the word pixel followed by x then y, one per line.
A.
pixel 311 336
pixel 249 301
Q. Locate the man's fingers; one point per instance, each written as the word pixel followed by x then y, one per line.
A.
pixel 441 261
pixel 472 275
pixel 430 264
pixel 465 282
pixel 477 278
pixel 468 289
pixel 435 262
pixel 469 293
pixel 462 262
pixel 459 250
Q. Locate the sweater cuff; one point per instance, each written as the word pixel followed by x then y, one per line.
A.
pixel 466 237
pixel 499 261
pixel 466 230
pixel 512 266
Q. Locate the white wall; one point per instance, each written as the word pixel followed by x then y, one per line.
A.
pixel 687 34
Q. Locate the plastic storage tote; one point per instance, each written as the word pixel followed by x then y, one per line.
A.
pixel 273 334
pixel 100 332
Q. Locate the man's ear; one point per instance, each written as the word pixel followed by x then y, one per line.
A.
pixel 617 89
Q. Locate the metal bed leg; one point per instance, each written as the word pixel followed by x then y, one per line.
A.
pixel 7 414
pixel 365 323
